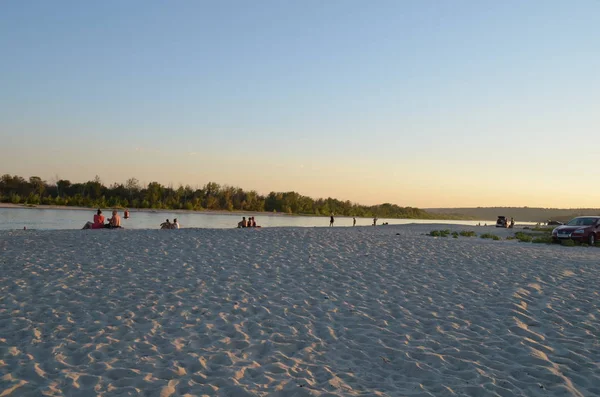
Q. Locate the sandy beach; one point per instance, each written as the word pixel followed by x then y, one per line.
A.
pixel 363 311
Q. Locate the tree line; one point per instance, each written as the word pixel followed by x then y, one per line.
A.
pixel 212 196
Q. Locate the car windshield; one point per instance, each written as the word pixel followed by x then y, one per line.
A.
pixel 582 222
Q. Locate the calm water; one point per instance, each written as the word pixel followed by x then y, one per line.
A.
pixel 33 218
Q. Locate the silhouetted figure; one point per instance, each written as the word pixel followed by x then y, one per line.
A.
pixel 353 221
pixel 331 220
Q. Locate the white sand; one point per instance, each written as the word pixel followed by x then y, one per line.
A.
pixel 295 312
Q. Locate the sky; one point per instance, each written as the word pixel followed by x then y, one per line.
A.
pixel 418 103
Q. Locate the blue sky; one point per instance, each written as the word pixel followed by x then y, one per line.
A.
pixel 424 103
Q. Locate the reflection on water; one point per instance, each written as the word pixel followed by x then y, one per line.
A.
pixel 34 218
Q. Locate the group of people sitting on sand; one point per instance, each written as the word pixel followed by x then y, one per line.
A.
pixel 113 223
pixel 251 222
pixel 169 225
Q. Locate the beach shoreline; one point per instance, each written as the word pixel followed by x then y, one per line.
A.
pixel 205 211
pixel 152 210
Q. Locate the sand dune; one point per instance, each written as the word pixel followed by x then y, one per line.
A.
pixel 295 312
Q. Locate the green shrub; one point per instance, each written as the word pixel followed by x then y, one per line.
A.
pixel 467 233
pixel 440 233
pixel 568 243
pixel 543 229
pixel 523 237
pixel 542 240
pixel 489 235
pixel 455 234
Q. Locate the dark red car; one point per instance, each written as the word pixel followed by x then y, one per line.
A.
pixel 585 229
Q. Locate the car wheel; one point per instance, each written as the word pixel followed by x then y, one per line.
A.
pixel 592 238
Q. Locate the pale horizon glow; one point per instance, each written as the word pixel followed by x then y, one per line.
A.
pixel 424 104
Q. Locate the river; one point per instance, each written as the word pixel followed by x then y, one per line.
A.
pixel 54 219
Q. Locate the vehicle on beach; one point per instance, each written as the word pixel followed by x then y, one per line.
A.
pixel 585 229
pixel 502 222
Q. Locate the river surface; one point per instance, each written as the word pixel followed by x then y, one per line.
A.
pixel 36 218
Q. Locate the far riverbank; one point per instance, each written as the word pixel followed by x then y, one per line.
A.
pixel 207 212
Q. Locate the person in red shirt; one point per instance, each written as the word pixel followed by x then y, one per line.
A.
pixel 98 222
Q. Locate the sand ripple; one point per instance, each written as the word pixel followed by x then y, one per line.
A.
pixel 295 312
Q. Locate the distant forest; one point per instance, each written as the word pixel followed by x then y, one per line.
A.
pixel 523 214
pixel 212 196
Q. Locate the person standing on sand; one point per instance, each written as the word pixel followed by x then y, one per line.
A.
pixel 375 221
pixel 354 221
pixel 331 220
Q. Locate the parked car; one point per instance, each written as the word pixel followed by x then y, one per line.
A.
pixel 585 229
pixel 502 222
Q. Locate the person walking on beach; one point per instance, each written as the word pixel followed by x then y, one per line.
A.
pixel 331 220
pixel 375 221
pixel 354 221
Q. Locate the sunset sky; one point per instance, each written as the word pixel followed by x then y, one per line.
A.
pixel 418 103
